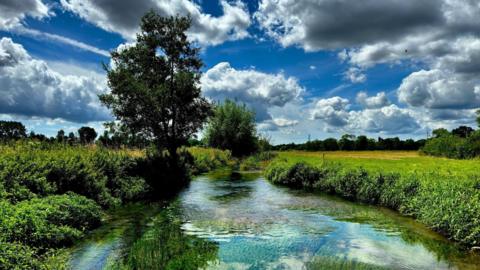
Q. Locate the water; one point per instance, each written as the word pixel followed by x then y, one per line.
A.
pixel 237 221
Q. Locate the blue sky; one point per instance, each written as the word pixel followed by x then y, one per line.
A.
pixel 309 67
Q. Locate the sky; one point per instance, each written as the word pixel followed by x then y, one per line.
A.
pixel 309 68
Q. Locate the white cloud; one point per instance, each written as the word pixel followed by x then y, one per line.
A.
pixel 258 90
pixel 283 122
pixel 438 89
pixel 123 17
pixel 332 111
pixel 391 119
pixel 12 12
pixel 355 75
pixel 57 38
pixel 29 87
pixel 378 101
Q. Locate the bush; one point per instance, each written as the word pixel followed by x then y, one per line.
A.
pixel 208 159
pixel 30 171
pixel 17 256
pixel 452 146
pixel 48 222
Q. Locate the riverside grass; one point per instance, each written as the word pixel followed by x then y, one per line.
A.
pixel 442 193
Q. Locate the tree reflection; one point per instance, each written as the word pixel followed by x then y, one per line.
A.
pixel 165 246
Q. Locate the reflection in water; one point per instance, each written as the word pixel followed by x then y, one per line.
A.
pixel 247 223
pixel 164 246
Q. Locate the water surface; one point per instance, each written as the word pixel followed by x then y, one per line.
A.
pixel 240 221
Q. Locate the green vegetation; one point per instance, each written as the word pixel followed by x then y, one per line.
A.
pixel 165 246
pixel 350 142
pixel 51 194
pixel 232 127
pixel 461 143
pixel 443 194
pixel 155 84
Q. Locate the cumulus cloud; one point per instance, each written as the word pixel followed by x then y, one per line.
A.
pixel 258 90
pixel 12 12
pixel 355 75
pixel 29 87
pixel 336 114
pixel 123 17
pixel 438 89
pixel 389 119
pixel 332 111
pixel 378 101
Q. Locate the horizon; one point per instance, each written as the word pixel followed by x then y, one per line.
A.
pixel 381 69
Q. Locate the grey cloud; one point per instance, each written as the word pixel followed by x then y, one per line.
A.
pixel 12 12
pixel 123 17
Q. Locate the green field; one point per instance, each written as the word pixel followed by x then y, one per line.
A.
pixel 442 193
pixel 386 161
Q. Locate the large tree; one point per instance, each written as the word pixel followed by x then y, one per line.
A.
pixel 155 83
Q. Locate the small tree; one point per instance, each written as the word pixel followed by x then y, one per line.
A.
pixel 12 130
pixel 155 83
pixel 440 132
pixel 232 127
pixel 478 118
pixel 61 136
pixel 71 138
pixel 86 135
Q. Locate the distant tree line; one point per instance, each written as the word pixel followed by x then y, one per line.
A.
pixel 13 130
pixel 350 142
pixel 461 143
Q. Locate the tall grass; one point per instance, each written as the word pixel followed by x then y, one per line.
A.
pixel 446 199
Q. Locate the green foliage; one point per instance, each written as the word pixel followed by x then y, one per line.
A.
pixel 232 127
pixel 454 146
pixel 36 170
pixel 208 159
pixel 155 83
pixel 478 118
pixel 14 256
pixel 447 202
pixel 165 246
pixel 48 222
pixel 352 143
pixel 12 130
pixel 87 135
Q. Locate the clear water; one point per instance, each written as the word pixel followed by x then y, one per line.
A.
pixel 255 225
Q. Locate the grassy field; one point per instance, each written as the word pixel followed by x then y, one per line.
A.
pixel 442 193
pixel 386 161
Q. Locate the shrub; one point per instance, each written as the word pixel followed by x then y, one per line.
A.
pixel 29 171
pixel 48 222
pixel 17 256
pixel 207 159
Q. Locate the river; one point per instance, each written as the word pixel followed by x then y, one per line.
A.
pixel 241 221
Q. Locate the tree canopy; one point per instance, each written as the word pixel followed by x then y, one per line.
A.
pixel 232 127
pixel 87 135
pixel 12 130
pixel 155 83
